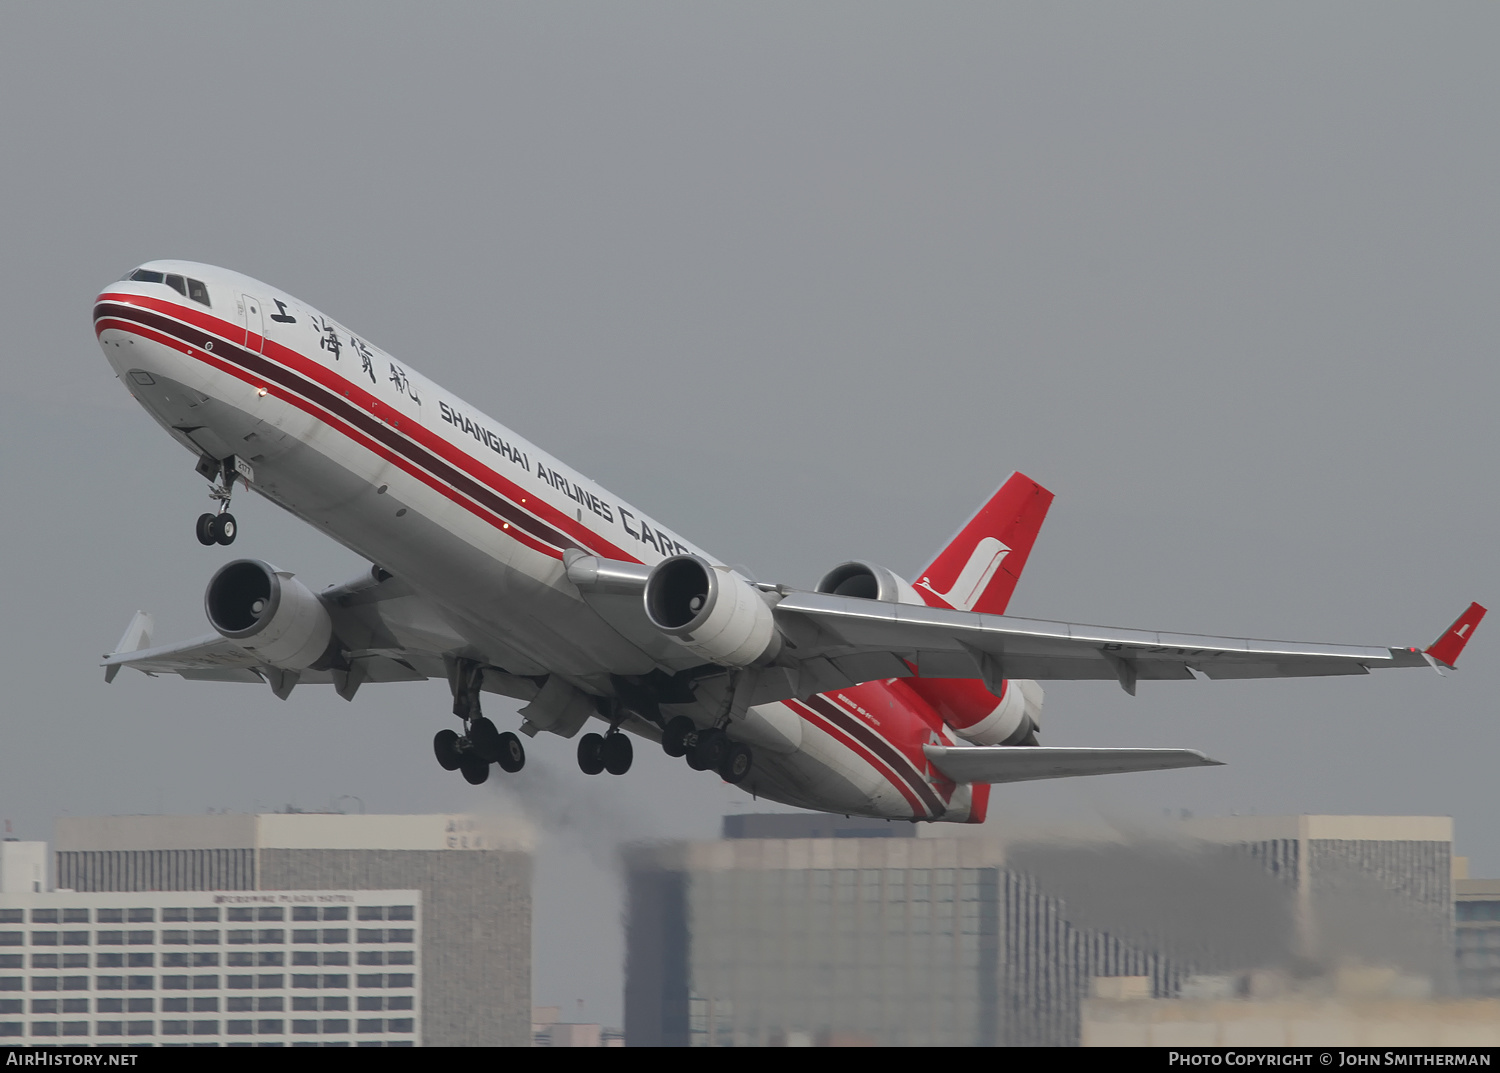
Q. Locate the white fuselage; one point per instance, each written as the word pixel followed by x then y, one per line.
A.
pixel 471 516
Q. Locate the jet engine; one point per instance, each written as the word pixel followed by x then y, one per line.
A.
pixel 867 581
pixel 712 611
pixel 268 613
pixel 975 714
pixel 972 711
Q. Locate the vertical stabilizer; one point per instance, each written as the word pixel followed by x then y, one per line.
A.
pixel 979 568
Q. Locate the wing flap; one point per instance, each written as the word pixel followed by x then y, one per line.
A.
pixel 1024 763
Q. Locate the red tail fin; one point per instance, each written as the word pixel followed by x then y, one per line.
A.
pixel 979 568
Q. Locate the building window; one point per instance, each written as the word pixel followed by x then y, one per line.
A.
pixel 145 915
pixel 308 981
pixel 44 1028
pixel 75 1028
pixel 174 1028
pixel 270 912
pixel 335 1026
pixel 110 916
pixel 305 935
pixel 205 912
pixel 239 1028
pixel 240 912
pixel 270 1003
pixel 269 1027
pixel 111 938
pixel 142 961
pixel 75 938
pixel 305 1028
pixel 174 983
pixel 204 959
pixel 44 983
pixel 44 916
pixel 208 982
pixel 44 938
pixel 144 938
pixel 75 983
pixel 176 914
pixel 109 983
pixel 399 1024
pixel 140 1028
pixel 205 1028
pixel 336 912
pixel 108 1028
pixel 271 981
pixel 173 937
pixel 110 961
pixel 170 1005
pixel 272 935
pixel 141 983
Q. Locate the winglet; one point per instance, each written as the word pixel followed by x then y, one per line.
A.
pixel 137 636
pixel 1447 648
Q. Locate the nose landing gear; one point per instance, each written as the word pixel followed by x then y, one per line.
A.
pixel 219 528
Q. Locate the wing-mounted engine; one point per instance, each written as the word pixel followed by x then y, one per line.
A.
pixel 712 611
pixel 868 581
pixel 268 613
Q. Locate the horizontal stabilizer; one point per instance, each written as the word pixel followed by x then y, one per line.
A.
pixel 1022 763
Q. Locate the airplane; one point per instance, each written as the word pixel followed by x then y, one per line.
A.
pixel 502 570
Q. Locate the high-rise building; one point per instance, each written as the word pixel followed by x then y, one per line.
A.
pixel 973 940
pixel 285 968
pixel 473 876
pixel 1476 935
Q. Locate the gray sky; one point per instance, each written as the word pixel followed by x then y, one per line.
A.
pixel 806 281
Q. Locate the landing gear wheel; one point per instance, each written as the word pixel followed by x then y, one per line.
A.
pixel 709 753
pixel 445 746
pixel 475 770
pixel 223 528
pixel 617 753
pixel 485 739
pixel 674 739
pixel 205 529
pixel 737 763
pixel 512 757
pixel 590 754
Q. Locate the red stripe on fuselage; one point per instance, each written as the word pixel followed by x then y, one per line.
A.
pixel 355 408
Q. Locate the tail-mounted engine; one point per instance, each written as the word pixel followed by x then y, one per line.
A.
pixel 268 613
pixel 867 581
pixel 975 714
pixel 972 711
pixel 712 611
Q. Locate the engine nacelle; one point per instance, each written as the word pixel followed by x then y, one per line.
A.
pixel 268 613
pixel 712 611
pixel 975 714
pixel 868 581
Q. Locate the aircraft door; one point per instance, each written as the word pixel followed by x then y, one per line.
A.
pixel 253 321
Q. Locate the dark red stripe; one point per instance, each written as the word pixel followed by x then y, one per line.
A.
pixel 898 761
pixel 353 415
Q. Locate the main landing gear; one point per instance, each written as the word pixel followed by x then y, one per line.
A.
pixel 708 749
pixel 481 744
pixel 219 528
pixel 610 752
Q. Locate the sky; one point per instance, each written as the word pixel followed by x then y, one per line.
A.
pixel 806 281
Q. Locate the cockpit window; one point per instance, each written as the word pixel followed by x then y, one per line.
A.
pixel 191 288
